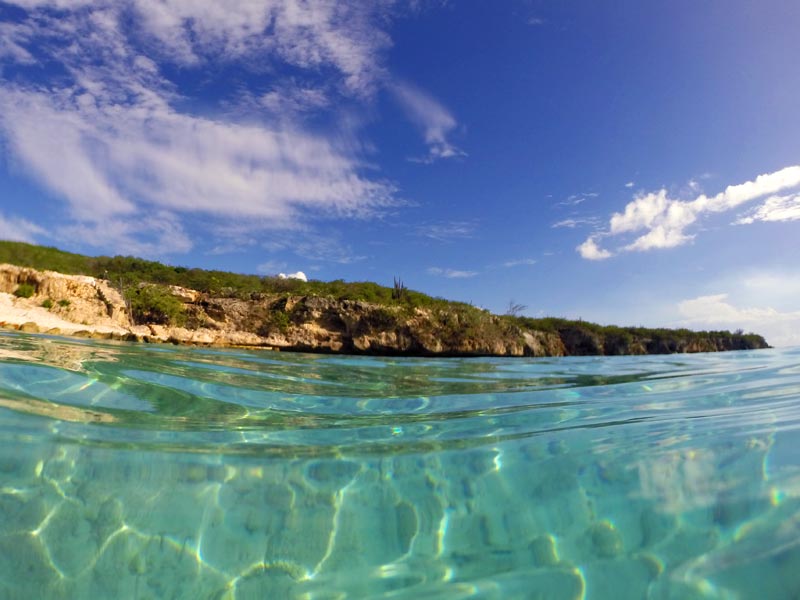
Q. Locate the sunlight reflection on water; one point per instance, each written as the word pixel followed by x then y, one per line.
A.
pixel 134 471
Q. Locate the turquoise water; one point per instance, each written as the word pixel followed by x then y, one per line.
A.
pixel 137 471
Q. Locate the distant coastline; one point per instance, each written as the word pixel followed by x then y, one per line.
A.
pixel 45 290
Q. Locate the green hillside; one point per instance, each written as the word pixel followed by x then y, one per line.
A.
pixel 153 303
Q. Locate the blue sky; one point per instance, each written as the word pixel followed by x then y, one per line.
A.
pixel 628 162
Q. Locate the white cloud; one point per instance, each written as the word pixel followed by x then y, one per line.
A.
pixel 660 236
pixel 664 220
pixel 113 140
pixel 451 273
pixel 591 251
pixel 630 184
pixel 107 156
pixel 716 311
pixel 299 275
pixel 774 208
pixel 434 119
pixel 18 230
pixel 640 214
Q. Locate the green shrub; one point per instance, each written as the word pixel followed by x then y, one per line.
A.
pixel 63 303
pixel 276 321
pixel 155 304
pixel 48 304
pixel 25 290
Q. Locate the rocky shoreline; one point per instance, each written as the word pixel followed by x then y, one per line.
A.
pixel 83 306
pixel 86 307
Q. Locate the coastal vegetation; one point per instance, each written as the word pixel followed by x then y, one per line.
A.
pixel 361 316
pixel 150 303
pixel 127 272
pixel 25 290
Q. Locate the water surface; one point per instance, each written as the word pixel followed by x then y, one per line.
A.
pixel 138 471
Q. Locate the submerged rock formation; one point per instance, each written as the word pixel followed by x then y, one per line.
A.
pixel 50 302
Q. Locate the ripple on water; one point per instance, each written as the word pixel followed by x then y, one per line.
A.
pixel 135 471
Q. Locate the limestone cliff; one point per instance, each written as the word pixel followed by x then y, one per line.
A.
pixel 76 302
pixel 82 305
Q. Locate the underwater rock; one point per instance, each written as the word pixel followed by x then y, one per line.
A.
pixel 544 551
pixel 605 539
pixel 29 327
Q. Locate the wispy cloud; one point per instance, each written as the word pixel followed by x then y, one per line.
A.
pixel 520 262
pixel 576 199
pixel 113 136
pixel 271 267
pixel 630 184
pixel 13 39
pixel 313 246
pixel 663 222
pixel 111 155
pixel 18 230
pixel 446 231
pixel 451 273
pixel 149 235
pixel 323 249
pixel 436 122
pixel 290 100
pixel 576 222
pixel 232 244
pixel 774 208
pixel 309 35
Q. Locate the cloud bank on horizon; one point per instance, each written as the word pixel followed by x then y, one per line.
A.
pixel 717 310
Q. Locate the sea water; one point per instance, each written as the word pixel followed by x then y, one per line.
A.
pixel 153 471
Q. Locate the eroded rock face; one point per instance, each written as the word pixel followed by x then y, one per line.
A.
pixel 540 343
pixel 67 303
pixel 74 298
pixel 89 307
